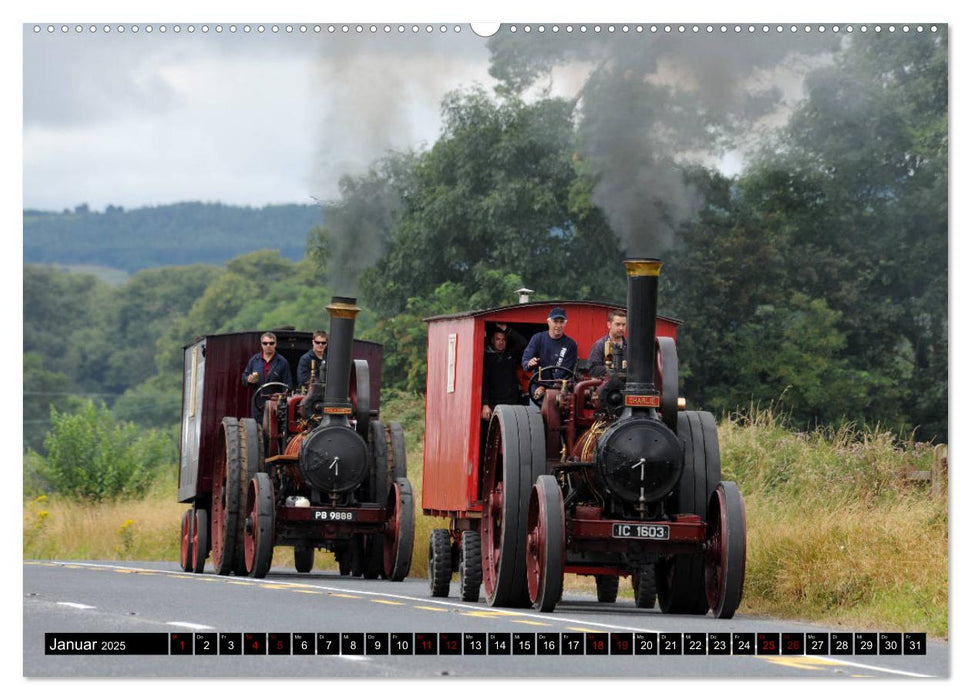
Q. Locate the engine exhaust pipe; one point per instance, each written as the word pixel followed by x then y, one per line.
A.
pixel 343 311
pixel 640 394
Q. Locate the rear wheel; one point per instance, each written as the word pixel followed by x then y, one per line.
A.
pixel 515 457
pixel 545 544
pixel 227 494
pixel 607 587
pixel 439 562
pixel 681 577
pixel 470 566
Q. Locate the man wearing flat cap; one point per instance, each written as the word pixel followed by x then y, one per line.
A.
pixel 552 348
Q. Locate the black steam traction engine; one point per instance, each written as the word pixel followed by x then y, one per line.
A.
pixel 609 477
pixel 321 471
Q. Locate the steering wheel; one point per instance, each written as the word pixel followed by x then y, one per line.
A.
pixel 259 394
pixel 535 381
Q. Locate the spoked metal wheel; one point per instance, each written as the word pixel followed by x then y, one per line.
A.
pixel 227 498
pixel 725 550
pixel 515 457
pixel 185 542
pixel 303 558
pixel 439 562
pixel 200 539
pixel 399 537
pixel 258 530
pixel 545 544
pixel 470 566
pixel 645 589
pixel 681 577
pixel 607 587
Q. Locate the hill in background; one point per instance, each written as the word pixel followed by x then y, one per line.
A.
pixel 172 234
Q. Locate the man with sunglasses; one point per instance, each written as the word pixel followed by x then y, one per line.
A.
pixel 313 363
pixel 265 367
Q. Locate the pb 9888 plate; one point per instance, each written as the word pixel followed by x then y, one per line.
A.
pixel 633 531
pixel 334 516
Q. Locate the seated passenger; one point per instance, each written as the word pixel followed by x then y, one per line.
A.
pixel 313 363
pixel 551 348
pixel 608 352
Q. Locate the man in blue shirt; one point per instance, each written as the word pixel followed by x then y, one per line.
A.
pixel 313 363
pixel 552 348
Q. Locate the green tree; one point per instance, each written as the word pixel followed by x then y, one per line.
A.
pixel 92 457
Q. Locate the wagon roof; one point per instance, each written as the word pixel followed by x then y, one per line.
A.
pixel 286 332
pixel 546 303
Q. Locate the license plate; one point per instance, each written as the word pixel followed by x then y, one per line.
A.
pixel 334 516
pixel 632 531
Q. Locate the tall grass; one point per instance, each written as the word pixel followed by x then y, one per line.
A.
pixel 836 535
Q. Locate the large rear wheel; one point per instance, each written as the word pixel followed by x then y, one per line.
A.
pixel 545 544
pixel 227 497
pixel 681 577
pixel 515 457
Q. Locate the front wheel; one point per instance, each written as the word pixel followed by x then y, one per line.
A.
pixel 725 550
pixel 439 562
pixel 258 529
pixel 545 544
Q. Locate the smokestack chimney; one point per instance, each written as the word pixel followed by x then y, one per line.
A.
pixel 640 394
pixel 343 311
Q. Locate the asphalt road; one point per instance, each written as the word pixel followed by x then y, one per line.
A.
pixel 323 608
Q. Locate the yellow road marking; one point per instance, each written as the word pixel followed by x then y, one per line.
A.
pixel 428 607
pixel 385 602
pixel 345 595
pixel 488 613
pixel 803 663
pixel 583 629
pixel 532 622
pixel 307 590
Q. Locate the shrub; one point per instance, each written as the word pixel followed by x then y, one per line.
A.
pixel 92 457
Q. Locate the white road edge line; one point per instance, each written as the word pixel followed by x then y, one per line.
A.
pixel 79 606
pixel 870 668
pixel 190 625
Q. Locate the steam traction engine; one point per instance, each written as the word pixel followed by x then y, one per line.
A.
pixel 320 471
pixel 608 477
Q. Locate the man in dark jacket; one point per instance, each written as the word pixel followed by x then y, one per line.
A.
pixel 265 367
pixel 313 363
pixel 601 353
pixel 499 381
pixel 551 348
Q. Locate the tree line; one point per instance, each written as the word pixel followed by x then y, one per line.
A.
pixel 814 281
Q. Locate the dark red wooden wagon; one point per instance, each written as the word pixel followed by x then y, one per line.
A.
pixel 320 471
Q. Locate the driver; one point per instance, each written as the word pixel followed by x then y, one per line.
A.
pixel 552 348
pixel 265 367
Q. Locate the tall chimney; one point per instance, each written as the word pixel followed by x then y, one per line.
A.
pixel 340 355
pixel 640 394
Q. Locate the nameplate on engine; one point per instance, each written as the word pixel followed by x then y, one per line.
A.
pixel 634 531
pixel 642 400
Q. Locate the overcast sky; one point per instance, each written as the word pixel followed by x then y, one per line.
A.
pixel 142 118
